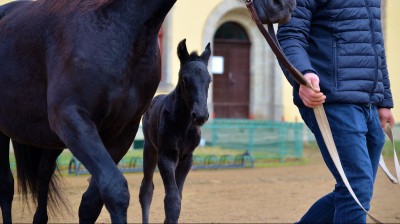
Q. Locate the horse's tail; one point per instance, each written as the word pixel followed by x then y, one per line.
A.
pixel 36 165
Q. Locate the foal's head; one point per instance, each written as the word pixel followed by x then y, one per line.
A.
pixel 194 80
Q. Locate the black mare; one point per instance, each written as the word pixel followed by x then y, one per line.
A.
pixel 171 128
pixel 79 74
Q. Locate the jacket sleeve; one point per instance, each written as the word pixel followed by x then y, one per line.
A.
pixel 293 37
pixel 388 100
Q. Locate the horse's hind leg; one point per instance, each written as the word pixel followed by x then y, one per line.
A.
pixel 150 158
pixel 6 179
pixel 91 204
pixel 184 166
pixel 46 170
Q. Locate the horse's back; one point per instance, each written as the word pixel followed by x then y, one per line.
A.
pixel 4 9
pixel 154 111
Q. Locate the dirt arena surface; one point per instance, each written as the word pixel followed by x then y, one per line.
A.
pixel 255 195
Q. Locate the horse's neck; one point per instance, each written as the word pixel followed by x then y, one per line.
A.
pixel 180 109
pixel 141 12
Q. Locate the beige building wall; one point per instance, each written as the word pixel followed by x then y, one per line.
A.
pixel 197 21
pixel 189 19
pixel 188 23
pixel 392 42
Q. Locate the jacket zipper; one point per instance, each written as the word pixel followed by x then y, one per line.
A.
pixel 374 48
pixel 335 67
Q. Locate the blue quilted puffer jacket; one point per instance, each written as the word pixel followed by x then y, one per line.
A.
pixel 342 42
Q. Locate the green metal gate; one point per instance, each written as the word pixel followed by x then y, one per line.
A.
pixel 264 139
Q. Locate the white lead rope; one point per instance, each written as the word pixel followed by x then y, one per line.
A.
pixel 389 133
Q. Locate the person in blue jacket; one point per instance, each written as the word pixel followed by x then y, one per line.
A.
pixel 338 46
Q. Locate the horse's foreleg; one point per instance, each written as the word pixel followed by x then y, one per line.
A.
pixel 82 138
pixel 150 158
pixel 172 201
pixel 92 203
pixel 46 170
pixel 182 171
pixel 6 179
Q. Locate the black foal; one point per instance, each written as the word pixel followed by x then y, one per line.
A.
pixel 171 132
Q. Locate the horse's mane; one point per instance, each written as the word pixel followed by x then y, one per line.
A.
pixel 56 6
pixel 194 56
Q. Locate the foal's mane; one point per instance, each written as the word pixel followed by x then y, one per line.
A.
pixel 194 56
pixel 55 6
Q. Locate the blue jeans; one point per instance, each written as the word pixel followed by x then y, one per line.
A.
pixel 359 139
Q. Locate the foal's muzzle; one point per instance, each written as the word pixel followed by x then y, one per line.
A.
pixel 199 120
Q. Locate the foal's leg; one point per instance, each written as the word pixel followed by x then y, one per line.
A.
pixel 92 203
pixel 172 201
pixel 46 170
pixel 146 189
pixel 80 134
pixel 6 179
pixel 182 171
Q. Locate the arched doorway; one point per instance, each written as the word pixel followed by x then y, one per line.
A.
pixel 231 84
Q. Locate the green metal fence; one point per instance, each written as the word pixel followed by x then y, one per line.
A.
pixel 264 139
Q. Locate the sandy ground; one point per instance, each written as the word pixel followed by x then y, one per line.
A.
pixel 255 195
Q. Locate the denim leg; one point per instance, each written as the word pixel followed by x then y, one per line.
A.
pixel 359 140
pixel 322 211
pixel 375 139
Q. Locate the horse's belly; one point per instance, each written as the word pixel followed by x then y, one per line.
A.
pixel 27 132
pixel 24 119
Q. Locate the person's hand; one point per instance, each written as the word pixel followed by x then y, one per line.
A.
pixel 311 98
pixel 386 116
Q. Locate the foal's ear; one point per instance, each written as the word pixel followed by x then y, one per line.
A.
pixel 183 53
pixel 206 54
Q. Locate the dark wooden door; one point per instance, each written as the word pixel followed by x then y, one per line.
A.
pixel 231 93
